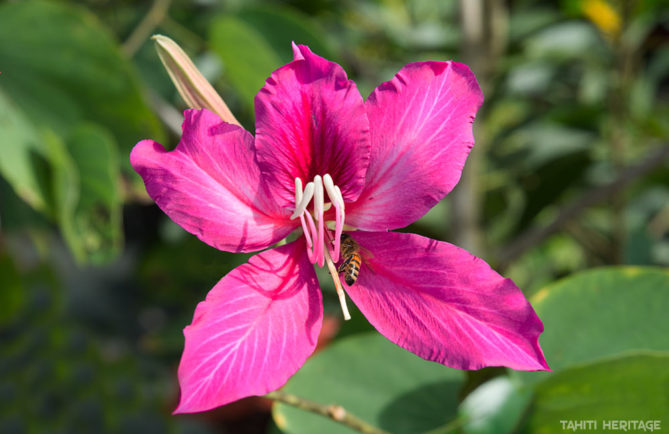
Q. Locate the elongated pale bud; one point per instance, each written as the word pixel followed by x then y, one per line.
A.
pixel 196 91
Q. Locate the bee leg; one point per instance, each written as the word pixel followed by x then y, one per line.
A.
pixel 342 267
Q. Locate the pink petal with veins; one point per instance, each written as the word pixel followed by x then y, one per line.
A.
pixel 255 329
pixel 211 185
pixel 445 305
pixel 311 120
pixel 421 129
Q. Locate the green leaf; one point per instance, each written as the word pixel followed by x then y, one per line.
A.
pixel 282 25
pixel 61 66
pixel 567 40
pixel 632 387
pixel 247 57
pixel 66 190
pixel 378 382
pixel 602 313
pixel 22 153
pixel 495 407
pixel 92 223
pixel 16 214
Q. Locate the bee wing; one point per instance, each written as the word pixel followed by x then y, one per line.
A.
pixel 366 256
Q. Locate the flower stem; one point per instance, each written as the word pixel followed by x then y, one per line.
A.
pixel 333 411
pixel 337 283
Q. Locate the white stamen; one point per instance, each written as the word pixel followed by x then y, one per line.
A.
pixel 306 198
pixel 298 191
pixel 330 187
pixel 339 220
pixel 315 227
pixel 318 195
pixel 340 198
pixel 318 211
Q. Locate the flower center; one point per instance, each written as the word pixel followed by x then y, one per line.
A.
pixel 318 250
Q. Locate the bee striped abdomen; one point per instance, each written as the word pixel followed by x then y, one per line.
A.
pixel 350 251
pixel 352 269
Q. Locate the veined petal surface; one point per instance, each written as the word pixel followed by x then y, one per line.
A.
pixel 255 329
pixel 311 120
pixel 443 304
pixel 421 130
pixel 211 185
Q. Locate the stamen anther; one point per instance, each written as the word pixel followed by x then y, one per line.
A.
pixel 318 194
pixel 306 198
pixel 329 187
pixel 340 198
pixel 298 191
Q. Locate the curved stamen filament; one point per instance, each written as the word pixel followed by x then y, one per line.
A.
pixel 312 227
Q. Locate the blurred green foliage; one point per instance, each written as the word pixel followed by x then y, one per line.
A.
pixel 96 284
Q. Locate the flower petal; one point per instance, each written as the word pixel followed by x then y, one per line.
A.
pixel 255 329
pixel 211 185
pixel 443 304
pixel 311 120
pixel 421 129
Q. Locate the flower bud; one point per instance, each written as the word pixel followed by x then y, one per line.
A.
pixel 196 91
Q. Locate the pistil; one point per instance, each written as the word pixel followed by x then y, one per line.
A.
pixel 318 250
pixel 340 291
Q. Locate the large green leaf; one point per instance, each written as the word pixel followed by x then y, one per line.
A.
pixel 634 387
pixel 377 381
pixel 92 224
pixel 61 66
pixel 247 57
pixel 23 154
pixel 601 313
pixel 495 407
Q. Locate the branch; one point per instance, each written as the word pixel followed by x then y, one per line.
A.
pixel 334 412
pixel 535 235
pixel 145 28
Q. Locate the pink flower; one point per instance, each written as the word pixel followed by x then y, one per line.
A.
pixel 374 166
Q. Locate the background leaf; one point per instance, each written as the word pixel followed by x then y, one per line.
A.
pixel 92 223
pixel 22 148
pixel 601 313
pixel 377 381
pixel 282 25
pixel 248 59
pixel 495 407
pixel 68 68
pixel 631 387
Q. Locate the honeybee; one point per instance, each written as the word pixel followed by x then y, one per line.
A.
pixel 350 251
